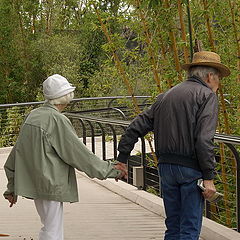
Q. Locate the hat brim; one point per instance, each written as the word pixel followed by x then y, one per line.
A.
pixel 60 93
pixel 222 68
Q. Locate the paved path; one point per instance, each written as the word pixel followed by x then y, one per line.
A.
pixel 100 215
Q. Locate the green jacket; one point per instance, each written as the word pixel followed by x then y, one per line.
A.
pixel 41 164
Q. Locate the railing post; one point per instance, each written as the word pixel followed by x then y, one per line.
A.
pixel 114 141
pixel 237 158
pixel 143 159
pixel 103 141
pixel 93 135
pixel 83 131
pixel 128 164
pixel 208 209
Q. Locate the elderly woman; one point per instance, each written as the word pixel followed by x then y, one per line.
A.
pixel 41 164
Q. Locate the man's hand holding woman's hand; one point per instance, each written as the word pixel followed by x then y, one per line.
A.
pixel 123 168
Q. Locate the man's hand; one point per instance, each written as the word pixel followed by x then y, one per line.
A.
pixel 123 168
pixel 11 198
pixel 209 188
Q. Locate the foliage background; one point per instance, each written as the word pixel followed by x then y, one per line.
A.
pixel 150 38
pixel 42 37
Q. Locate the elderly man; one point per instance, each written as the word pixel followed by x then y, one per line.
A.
pixel 184 121
pixel 41 164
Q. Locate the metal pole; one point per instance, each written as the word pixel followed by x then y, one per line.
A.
pixel 237 158
pixel 114 141
pixel 83 131
pixel 92 135
pixel 103 141
pixel 143 162
pixel 190 29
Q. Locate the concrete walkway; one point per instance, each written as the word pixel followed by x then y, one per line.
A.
pixel 100 215
pixel 107 211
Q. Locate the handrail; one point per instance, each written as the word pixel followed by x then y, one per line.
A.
pixel 227 138
pixel 97 119
pixel 74 100
pixel 217 137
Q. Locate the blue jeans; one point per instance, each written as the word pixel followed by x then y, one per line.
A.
pixel 183 201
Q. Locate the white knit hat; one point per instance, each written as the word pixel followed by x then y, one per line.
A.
pixel 56 86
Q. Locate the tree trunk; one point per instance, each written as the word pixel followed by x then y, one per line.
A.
pixel 174 47
pixel 148 40
pixel 184 38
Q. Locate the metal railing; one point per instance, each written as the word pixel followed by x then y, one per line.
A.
pixel 118 107
pixel 226 212
pixel 101 121
pixel 112 129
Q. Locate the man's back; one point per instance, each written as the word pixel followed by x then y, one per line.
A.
pixel 184 121
pixel 176 121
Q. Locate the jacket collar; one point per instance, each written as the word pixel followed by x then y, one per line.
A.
pixel 48 105
pixel 198 80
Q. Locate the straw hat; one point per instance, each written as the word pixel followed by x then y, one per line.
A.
pixel 211 59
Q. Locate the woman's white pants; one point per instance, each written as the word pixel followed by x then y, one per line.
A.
pixel 51 215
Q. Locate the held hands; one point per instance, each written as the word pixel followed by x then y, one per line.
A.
pixel 123 168
pixel 210 189
pixel 11 198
